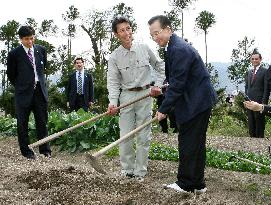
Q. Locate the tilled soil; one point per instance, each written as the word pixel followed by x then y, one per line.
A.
pixel 70 179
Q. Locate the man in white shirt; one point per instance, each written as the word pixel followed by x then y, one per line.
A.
pixel 129 77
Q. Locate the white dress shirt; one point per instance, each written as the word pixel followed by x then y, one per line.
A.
pixel 33 55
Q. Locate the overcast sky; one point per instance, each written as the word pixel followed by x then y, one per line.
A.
pixel 235 19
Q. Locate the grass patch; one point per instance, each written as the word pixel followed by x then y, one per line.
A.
pixel 215 158
pixel 252 187
pixel 226 126
pixel 267 192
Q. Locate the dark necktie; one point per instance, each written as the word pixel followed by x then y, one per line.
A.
pixel 79 84
pixel 30 56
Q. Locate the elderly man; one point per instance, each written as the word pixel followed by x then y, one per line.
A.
pixel 192 96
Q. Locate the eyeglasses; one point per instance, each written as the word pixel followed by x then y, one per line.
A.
pixel 156 33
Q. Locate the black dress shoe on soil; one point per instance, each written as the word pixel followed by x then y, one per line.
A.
pixel 31 157
pixel 164 130
pixel 130 175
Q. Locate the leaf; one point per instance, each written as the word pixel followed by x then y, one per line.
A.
pixel 73 149
pixel 85 145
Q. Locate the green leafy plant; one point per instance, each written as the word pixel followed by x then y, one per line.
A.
pixel 8 125
pixel 268 192
pixel 92 135
pixel 89 136
pixel 215 158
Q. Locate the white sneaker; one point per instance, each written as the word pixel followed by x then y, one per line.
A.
pixel 200 191
pixel 175 187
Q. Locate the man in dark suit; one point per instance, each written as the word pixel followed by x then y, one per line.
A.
pixel 267 85
pixel 256 90
pixel 191 94
pixel 80 89
pixel 25 70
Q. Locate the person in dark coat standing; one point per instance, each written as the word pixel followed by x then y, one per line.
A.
pixel 80 88
pixel 255 88
pixel 192 96
pixel 25 70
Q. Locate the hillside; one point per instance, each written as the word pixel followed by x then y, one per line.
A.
pixel 224 81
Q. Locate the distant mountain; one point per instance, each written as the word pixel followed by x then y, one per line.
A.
pixel 224 81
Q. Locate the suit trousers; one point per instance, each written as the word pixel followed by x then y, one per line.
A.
pixel 256 124
pixel 80 103
pixel 171 115
pixel 192 152
pixel 39 108
pixel 135 161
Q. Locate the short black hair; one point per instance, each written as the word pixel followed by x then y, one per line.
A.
pixel 119 20
pixel 255 52
pixel 26 31
pixel 163 20
pixel 78 58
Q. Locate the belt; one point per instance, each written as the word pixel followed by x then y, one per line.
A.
pixel 140 88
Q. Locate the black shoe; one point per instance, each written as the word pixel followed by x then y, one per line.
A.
pixel 47 154
pixel 130 175
pixel 164 130
pixel 31 157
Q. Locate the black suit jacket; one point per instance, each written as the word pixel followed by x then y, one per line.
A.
pixel 20 72
pixel 257 89
pixel 267 84
pixel 88 89
pixel 190 90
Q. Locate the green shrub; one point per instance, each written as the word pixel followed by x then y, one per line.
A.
pixel 7 101
pixel 57 99
pixel 8 125
pixel 92 135
pixel 226 126
pixel 89 136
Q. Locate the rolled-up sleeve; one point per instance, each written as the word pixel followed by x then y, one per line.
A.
pixel 113 81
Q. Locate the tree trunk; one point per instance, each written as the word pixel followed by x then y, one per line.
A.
pixel 182 25
pixel 5 81
pixel 96 58
pixel 205 36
